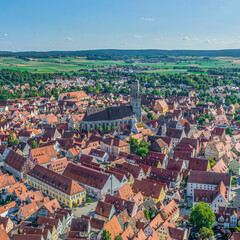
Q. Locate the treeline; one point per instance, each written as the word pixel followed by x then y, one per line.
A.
pixel 113 53
pixel 15 77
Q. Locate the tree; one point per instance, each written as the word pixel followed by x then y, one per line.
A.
pixel 133 145
pixel 100 128
pixel 106 235
pixel 150 116
pixel 88 200
pixel 74 205
pixel 202 216
pixel 212 162
pixel 108 129
pixel 147 214
pixel 142 151
pixel 144 144
pixel 118 238
pixel 34 144
pixel 229 131
pixel 201 121
pixel 11 140
pixel 206 233
pixel 228 102
pixel 152 214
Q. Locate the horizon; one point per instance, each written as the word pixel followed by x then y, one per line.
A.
pixel 115 49
pixel 79 25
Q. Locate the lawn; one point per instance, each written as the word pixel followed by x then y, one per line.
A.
pixel 80 63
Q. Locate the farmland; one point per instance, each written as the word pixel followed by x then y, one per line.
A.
pixel 62 64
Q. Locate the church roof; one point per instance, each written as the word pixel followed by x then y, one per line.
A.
pixel 108 114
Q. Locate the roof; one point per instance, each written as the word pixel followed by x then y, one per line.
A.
pixel 7 207
pixel 115 142
pixel 114 227
pixel 103 209
pixel 220 167
pixel 15 160
pixel 52 205
pixel 44 151
pixel 86 175
pixel 3 234
pixel 176 234
pixel 147 188
pixel 125 191
pixel 6 180
pixel 209 178
pixel 78 95
pixel 60 182
pixel 58 165
pixel 108 114
pixel 198 164
pixel 29 209
pixel 119 203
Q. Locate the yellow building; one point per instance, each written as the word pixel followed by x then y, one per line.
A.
pixel 214 150
pixel 161 106
pixel 64 189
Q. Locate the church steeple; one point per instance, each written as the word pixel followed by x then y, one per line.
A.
pixel 136 101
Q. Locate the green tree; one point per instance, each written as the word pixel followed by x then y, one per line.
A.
pixel 174 92
pixel 100 128
pixel 201 121
pixel 11 140
pixel 212 162
pixel 142 151
pixel 106 235
pixel 228 102
pixel 202 216
pixel 34 144
pixel 88 200
pixel 229 132
pixel 144 144
pixel 74 205
pixel 133 145
pixel 118 238
pixel 108 129
pixel 150 116
pixel 206 233
pixel 152 214
pixel 147 214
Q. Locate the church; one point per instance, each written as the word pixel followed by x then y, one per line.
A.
pixel 112 116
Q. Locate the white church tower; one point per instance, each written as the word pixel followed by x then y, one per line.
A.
pixel 136 101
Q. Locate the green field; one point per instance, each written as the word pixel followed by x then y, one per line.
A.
pixel 78 63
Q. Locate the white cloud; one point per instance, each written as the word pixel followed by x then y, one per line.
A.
pixel 207 41
pixel 5 35
pixel 148 19
pixel 69 39
pixel 137 36
pixel 186 38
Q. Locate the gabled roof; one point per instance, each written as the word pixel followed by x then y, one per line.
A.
pixel 209 178
pixel 108 114
pixel 103 209
pixel 86 175
pixel 60 182
pixel 15 160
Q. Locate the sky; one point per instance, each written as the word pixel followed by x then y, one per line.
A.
pixel 44 25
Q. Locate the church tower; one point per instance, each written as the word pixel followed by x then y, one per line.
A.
pixel 136 101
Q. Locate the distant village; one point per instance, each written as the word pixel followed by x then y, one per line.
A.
pixel 131 166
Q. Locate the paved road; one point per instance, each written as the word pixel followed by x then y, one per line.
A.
pixel 88 209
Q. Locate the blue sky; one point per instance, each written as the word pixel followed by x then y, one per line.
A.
pixel 120 24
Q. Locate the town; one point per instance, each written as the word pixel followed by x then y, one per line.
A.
pixel 126 165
